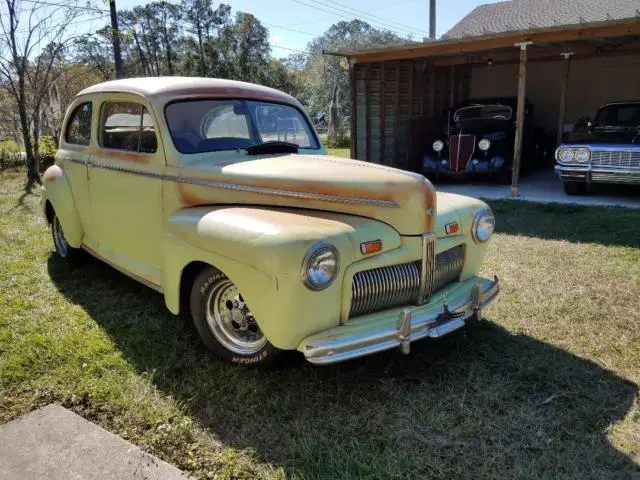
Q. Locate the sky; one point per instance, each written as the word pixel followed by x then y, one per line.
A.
pixel 293 23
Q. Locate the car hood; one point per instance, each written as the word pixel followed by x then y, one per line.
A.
pixel 601 136
pixel 404 200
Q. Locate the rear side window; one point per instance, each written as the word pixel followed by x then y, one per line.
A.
pixel 127 126
pixel 79 127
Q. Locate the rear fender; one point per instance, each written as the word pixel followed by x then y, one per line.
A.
pixel 57 192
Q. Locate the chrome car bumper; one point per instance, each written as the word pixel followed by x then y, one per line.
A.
pixel 598 174
pixel 446 311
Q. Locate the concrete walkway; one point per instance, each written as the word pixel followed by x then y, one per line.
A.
pixel 545 187
pixel 57 444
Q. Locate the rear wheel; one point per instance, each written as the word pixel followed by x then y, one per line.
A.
pixel 574 188
pixel 225 323
pixel 63 249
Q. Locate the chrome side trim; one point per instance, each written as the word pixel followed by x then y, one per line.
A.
pixel 135 277
pixel 412 324
pixel 427 267
pixel 248 188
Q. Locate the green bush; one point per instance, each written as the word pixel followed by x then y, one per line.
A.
pixel 10 156
pixel 48 148
pixel 337 142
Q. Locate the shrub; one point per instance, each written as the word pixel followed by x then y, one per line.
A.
pixel 48 148
pixel 337 142
pixel 10 156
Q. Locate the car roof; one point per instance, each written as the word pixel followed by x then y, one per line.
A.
pixel 507 101
pixel 165 89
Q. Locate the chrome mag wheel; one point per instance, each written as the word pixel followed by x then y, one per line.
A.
pixel 231 321
pixel 58 238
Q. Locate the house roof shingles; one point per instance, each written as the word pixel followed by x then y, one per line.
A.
pixel 516 15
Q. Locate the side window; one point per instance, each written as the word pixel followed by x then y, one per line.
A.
pixel 78 130
pixel 127 126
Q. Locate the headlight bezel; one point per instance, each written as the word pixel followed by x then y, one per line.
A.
pixel 439 144
pixel 484 141
pixel 480 216
pixel 315 251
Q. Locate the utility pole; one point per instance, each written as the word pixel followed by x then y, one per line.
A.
pixel 115 36
pixel 432 19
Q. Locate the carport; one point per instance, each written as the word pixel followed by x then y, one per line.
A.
pixel 566 71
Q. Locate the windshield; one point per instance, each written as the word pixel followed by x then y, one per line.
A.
pixel 482 112
pixel 198 126
pixel 618 116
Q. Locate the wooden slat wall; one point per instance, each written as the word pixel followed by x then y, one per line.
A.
pixel 388 96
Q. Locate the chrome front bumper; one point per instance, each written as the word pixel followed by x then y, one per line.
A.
pixel 446 311
pixel 590 174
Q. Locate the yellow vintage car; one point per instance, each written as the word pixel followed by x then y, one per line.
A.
pixel 219 195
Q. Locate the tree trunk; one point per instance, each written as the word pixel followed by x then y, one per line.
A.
pixel 36 141
pixel 33 172
pixel 167 47
pixel 201 50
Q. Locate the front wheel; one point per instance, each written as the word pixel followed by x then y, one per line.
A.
pixel 63 249
pixel 225 323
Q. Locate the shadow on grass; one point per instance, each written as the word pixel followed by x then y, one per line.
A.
pixel 26 192
pixel 482 403
pixel 584 224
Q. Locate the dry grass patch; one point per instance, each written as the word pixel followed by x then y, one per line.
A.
pixel 545 387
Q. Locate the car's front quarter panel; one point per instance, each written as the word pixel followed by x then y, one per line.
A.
pixel 57 192
pixel 262 250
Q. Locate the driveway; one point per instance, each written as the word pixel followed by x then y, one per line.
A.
pixel 543 186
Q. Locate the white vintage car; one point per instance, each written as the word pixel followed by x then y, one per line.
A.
pixel 220 196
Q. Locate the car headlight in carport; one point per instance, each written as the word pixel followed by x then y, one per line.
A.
pixel 566 155
pixel 483 225
pixel 484 144
pixel 320 266
pixel 438 145
pixel 582 155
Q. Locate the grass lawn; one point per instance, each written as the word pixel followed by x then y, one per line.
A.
pixel 544 387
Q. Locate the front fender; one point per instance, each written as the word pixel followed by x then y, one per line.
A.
pixel 261 250
pixel 57 191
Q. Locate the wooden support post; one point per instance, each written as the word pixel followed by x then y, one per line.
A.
pixel 367 113
pixel 517 147
pixel 396 116
pixel 354 110
pixel 432 93
pixel 563 97
pixel 452 95
pixel 410 114
pixel 382 114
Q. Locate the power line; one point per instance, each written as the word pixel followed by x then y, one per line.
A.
pixel 365 14
pixel 290 49
pixel 281 27
pixel 65 5
pixel 350 17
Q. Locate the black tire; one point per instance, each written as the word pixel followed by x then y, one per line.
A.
pixel 503 177
pixel 574 188
pixel 240 342
pixel 65 251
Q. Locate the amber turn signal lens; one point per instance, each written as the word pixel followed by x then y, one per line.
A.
pixel 374 246
pixel 451 228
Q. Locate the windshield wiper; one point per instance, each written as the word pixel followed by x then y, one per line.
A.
pixel 273 146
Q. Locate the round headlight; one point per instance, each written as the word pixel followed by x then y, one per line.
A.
pixel 438 145
pixel 566 155
pixel 320 266
pixel 483 225
pixel 484 144
pixel 582 155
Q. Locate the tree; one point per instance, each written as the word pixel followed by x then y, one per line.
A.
pixel 322 73
pixel 32 41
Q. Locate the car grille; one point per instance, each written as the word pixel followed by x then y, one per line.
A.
pixel 397 285
pixel 615 159
pixel 461 148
